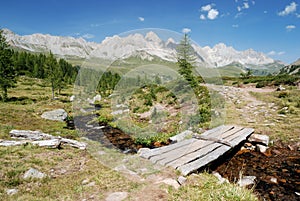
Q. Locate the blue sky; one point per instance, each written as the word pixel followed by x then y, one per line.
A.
pixel 268 26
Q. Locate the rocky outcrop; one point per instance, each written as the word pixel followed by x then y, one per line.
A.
pixel 40 139
pixel 34 174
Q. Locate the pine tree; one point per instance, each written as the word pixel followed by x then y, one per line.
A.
pixel 7 70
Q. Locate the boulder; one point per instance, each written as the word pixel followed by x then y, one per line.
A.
pixel 263 139
pixel 55 115
pixel 73 143
pixel 34 174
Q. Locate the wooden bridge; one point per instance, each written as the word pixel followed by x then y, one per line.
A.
pixel 189 155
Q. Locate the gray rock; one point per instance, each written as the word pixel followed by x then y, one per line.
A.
pixel 261 148
pixel 30 135
pixel 55 115
pixel 171 182
pixel 246 181
pixel 8 143
pixel 264 139
pixel 97 98
pixel 11 191
pixel 34 174
pixel 72 98
pixel 181 136
pixel 54 143
pixel 117 196
pixel 220 178
pixel 73 143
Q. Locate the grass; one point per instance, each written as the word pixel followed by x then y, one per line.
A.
pixel 67 168
pixel 205 187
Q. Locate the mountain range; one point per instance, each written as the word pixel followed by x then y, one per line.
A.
pixel 146 46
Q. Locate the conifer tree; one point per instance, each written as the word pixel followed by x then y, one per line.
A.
pixel 7 70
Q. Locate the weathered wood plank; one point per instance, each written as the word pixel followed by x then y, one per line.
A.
pixel 215 154
pixel 175 154
pixel 202 149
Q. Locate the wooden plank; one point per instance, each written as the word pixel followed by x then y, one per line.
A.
pixel 193 152
pixel 161 150
pixel 195 146
pixel 217 131
pixel 215 154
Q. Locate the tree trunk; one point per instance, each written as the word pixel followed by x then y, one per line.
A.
pixel 52 87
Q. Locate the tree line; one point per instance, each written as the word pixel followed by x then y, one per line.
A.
pixel 58 73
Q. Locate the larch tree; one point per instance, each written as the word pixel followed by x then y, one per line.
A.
pixel 7 70
pixel 185 60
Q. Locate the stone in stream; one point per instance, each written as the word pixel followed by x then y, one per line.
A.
pixel 246 181
pixel 55 115
pixel 263 139
pixel 261 148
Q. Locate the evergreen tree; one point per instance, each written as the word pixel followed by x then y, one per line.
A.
pixel 7 70
pixel 185 59
pixel 52 69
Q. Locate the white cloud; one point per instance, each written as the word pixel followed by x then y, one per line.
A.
pixel 186 30
pixel 239 8
pixel 95 25
pixel 206 8
pixel 141 19
pixel 246 5
pixel 265 12
pixel 297 15
pixel 274 53
pixel 202 17
pixel 288 9
pixel 212 14
pixel 88 36
pixel 235 26
pixel 290 27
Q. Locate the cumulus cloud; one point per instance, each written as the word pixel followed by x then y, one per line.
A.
pixel 207 7
pixel 141 19
pixel 288 9
pixel 202 17
pixel 290 27
pixel 246 5
pixel 88 36
pixel 212 13
pixel 235 26
pixel 186 30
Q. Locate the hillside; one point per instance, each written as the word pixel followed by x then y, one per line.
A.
pixel 292 69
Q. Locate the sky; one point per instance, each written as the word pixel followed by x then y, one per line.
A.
pixel 268 26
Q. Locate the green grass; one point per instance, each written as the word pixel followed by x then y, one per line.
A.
pixel 205 187
pixel 67 168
